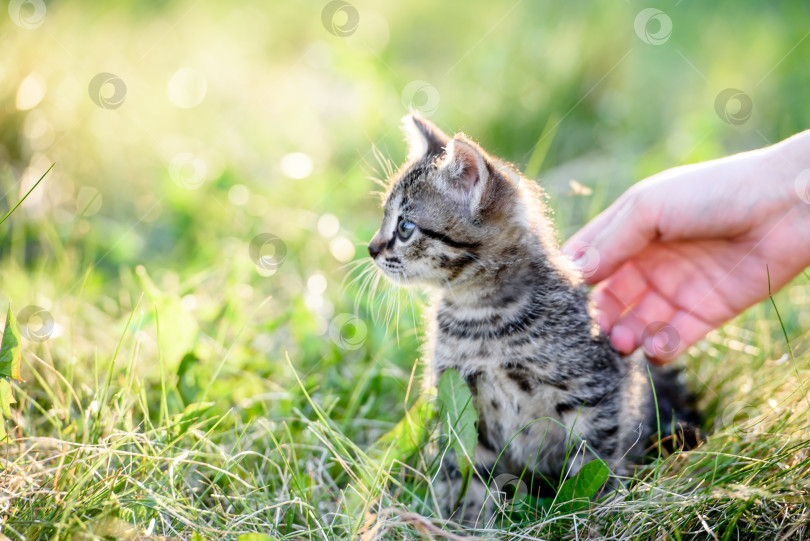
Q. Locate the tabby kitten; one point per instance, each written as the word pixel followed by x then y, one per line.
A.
pixel 511 313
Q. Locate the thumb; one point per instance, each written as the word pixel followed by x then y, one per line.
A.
pixel 617 234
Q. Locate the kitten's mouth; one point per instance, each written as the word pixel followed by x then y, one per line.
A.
pixel 393 270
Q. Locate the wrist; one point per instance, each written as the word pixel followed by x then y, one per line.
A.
pixel 789 162
pixel 785 170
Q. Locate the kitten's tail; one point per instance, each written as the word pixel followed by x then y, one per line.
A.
pixel 677 415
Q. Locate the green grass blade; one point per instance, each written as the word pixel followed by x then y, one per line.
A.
pixel 27 194
pixel 541 147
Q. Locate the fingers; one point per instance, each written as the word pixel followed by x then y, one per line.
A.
pixel 613 237
pixel 644 320
pixel 615 295
pixel 623 340
pixel 684 329
pixel 661 329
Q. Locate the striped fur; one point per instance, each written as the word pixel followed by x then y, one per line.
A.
pixel 511 314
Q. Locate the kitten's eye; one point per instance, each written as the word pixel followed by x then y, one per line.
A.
pixel 405 229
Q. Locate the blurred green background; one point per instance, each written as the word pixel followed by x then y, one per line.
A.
pixel 217 122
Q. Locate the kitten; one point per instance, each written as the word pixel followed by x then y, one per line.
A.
pixel 512 315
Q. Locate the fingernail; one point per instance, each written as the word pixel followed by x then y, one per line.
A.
pixel 622 339
pixel 661 341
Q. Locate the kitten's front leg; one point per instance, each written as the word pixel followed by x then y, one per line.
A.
pixel 485 493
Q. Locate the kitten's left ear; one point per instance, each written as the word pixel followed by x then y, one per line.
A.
pixel 464 171
pixel 424 139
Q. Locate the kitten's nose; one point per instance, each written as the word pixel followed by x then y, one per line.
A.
pixel 375 247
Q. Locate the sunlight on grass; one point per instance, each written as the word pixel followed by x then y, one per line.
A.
pixel 205 353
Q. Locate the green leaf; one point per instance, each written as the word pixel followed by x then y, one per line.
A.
pixel 177 323
pixel 6 399
pixel 10 350
pixel 409 434
pixel 190 383
pixel 459 413
pixel 191 414
pixel 575 493
pixel 256 537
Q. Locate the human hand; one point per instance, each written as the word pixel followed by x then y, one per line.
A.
pixel 685 250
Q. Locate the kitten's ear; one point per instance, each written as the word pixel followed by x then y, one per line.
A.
pixel 423 137
pixel 464 171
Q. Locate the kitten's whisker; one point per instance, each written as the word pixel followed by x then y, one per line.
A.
pixel 362 277
pixel 370 166
pixel 387 313
pixel 396 305
pixel 344 285
pixel 369 290
pixel 399 308
pixel 352 265
pixel 355 262
pixel 384 300
pixel 384 168
pixel 388 304
pixel 386 164
pixel 364 288
pixel 450 287
pixel 479 261
pixel 390 308
pixel 350 278
pixel 413 310
pixel 376 284
pixel 377 181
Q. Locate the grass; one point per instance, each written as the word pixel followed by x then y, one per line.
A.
pixel 130 443
pixel 114 461
pixel 189 389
